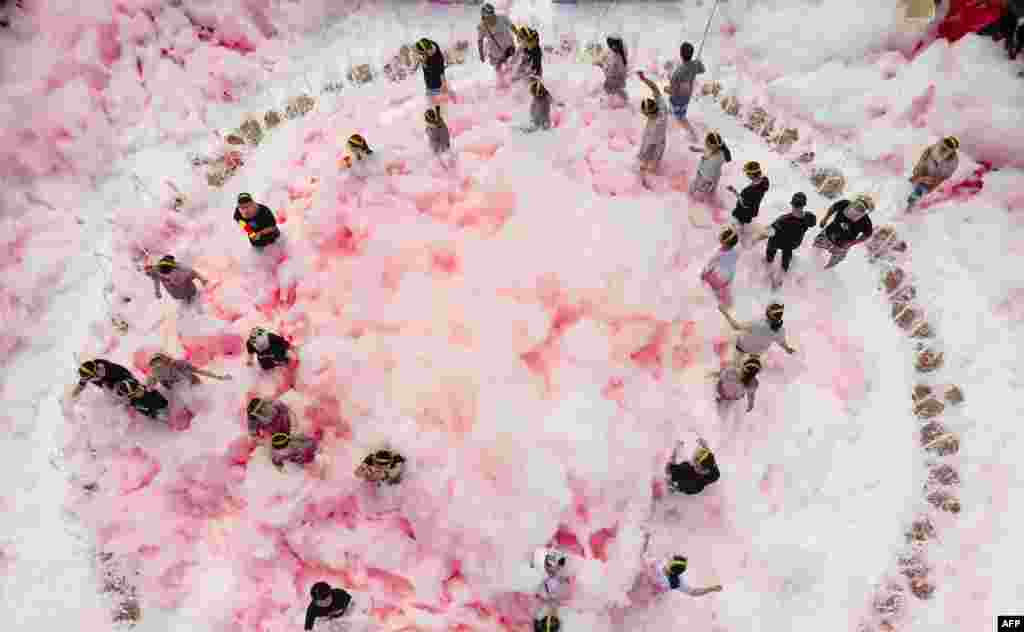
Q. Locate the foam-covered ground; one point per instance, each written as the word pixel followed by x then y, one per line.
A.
pixel 532 317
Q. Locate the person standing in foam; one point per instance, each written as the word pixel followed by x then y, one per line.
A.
pixel 756 337
pixel 663 576
pixel 691 477
pixel 494 42
pixel 652 146
pixel 554 587
pixel 851 225
pixel 540 107
pixel 680 90
pixel 326 603
pixel 615 65
pixel 937 164
pixel 721 269
pixel 709 171
pixel 735 383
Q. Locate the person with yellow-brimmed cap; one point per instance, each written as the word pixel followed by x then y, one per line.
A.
pixel 430 57
pixel 665 575
pixel 383 467
pixel 438 136
pixel 531 60
pixel 102 373
pixel 748 201
pixel 735 383
pixel 720 271
pixel 143 400
pixel 294 448
pixel 714 155
pixel 691 477
pixel 655 138
pixel 850 225
pixel 937 164
pixel 540 107
pixel 756 337
pixel 177 279
pixel 547 622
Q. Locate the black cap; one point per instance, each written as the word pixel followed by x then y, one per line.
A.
pixel 244 198
pixel 320 590
pixel 799 200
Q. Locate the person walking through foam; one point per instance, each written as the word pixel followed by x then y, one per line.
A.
pixel 720 271
pixel 652 145
pixel 615 66
pixel 756 337
pixel 680 88
pixel 495 43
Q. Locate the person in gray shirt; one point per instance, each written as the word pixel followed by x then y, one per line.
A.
pixel 680 89
pixel 540 107
pixel 438 136
pixel 652 146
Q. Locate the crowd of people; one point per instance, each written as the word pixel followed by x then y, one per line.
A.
pixel 517 58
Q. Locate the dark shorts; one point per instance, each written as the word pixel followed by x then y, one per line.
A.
pixel 263 242
pixel 743 215
pixel 679 106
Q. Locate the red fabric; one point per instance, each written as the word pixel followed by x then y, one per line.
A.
pixel 968 16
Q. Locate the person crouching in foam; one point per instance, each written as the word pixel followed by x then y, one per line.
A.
pixel 652 146
pixel 733 384
pixel 850 225
pixel 714 156
pixel 721 269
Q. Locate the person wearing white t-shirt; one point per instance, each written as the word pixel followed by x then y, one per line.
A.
pixel 756 337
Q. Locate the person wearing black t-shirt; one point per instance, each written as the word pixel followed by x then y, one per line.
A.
pixel 329 603
pixel 748 201
pixel 257 221
pixel 691 478
pixel 787 231
pixel 144 401
pixel 851 226
pixel 270 349
pixel 102 373
pixel 430 57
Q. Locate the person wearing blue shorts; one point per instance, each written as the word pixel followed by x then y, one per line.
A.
pixel 680 89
